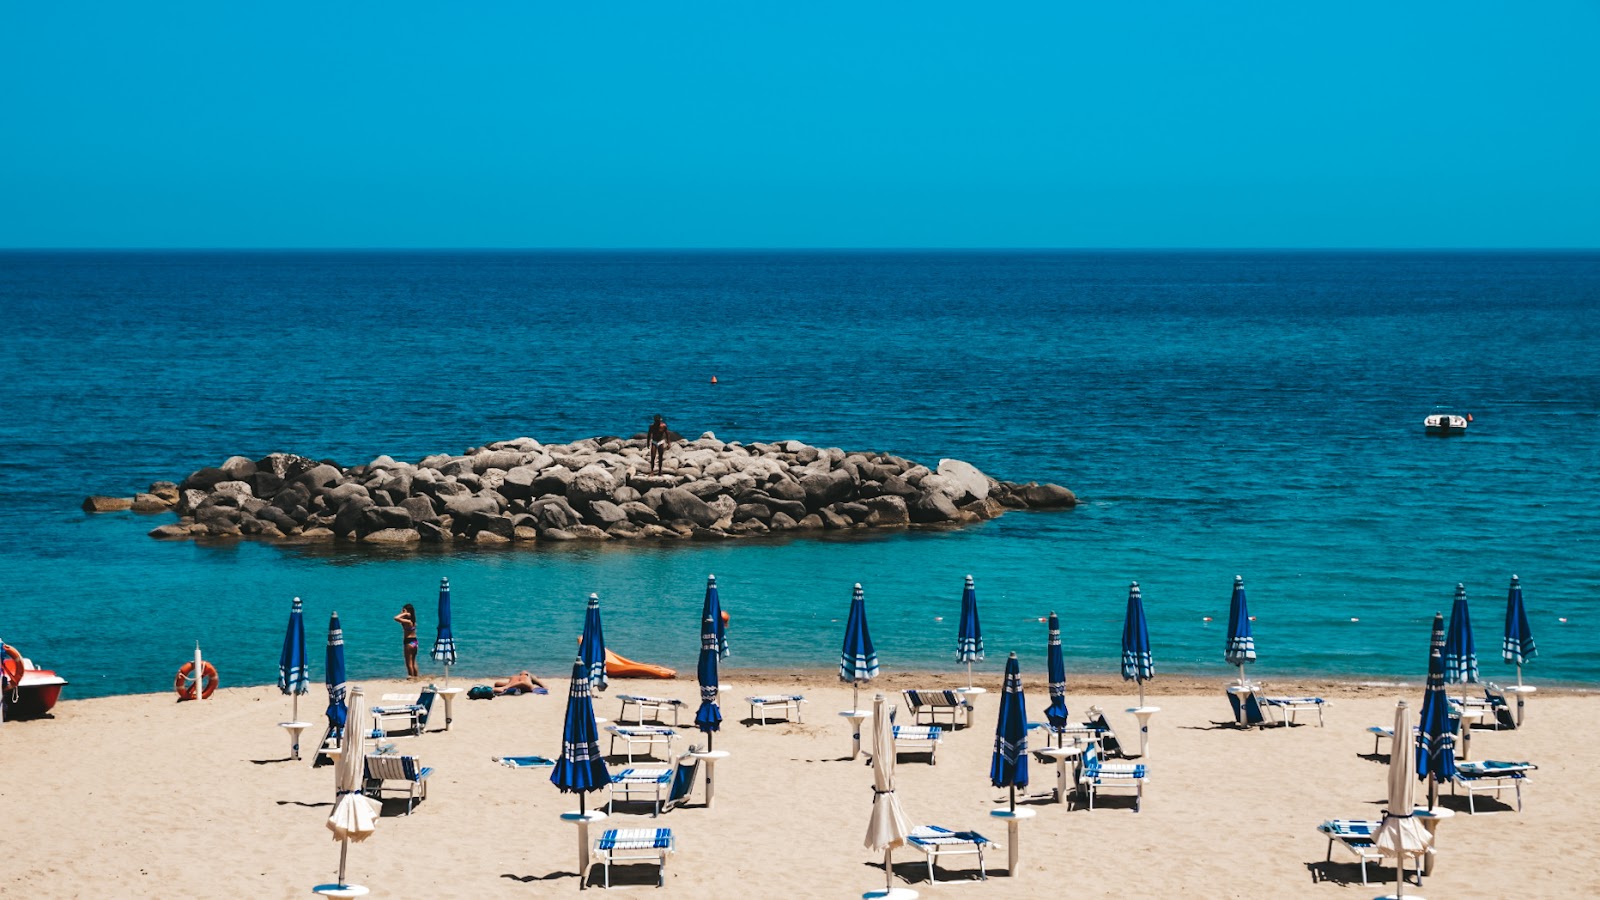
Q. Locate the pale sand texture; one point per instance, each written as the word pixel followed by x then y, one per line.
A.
pixel 142 796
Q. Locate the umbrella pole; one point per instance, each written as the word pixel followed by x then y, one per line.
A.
pixel 1013 798
pixel 1242 682
pixel 1519 675
pixel 1433 791
pixel 1141 692
pixel 969 675
pixel 855 695
pixel 447 675
pixel 888 869
pixel 344 849
pixel 295 716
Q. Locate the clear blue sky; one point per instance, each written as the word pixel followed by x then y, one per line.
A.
pixel 1259 124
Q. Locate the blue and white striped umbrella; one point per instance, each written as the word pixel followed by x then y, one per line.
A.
pixel 335 676
pixel 1241 647
pixel 709 716
pixel 294 673
pixel 581 767
pixel 1460 653
pixel 1056 667
pixel 1436 740
pixel 1137 664
pixel 713 608
pixel 1008 768
pixel 1518 646
pixel 444 644
pixel 858 661
pixel 969 634
pixel 593 649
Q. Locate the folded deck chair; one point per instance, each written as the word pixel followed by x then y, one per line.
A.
pixel 524 762
pixel 332 739
pixel 630 844
pixel 413 710
pixel 761 706
pixel 669 786
pixel 1246 708
pixel 936 842
pixel 1355 835
pixel 1105 736
pixel 648 735
pixel 1096 775
pixel 655 706
pixel 1495 697
pixel 385 767
pixel 934 704
pixel 912 738
pixel 1490 776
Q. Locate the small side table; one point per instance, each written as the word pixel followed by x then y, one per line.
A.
pixel 855 716
pixel 1012 818
pixel 448 695
pixel 971 694
pixel 1061 755
pixel 582 820
pixel 709 757
pixel 1143 714
pixel 1430 820
pixel 1469 716
pixel 1521 690
pixel 294 729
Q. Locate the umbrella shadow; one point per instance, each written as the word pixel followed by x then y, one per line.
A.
pixel 328 803
pixel 1216 726
pixel 529 879
pixel 1383 758
pixel 268 762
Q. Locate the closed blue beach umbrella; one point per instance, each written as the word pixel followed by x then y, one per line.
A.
pixel 1460 653
pixel 1009 766
pixel 858 661
pixel 1137 664
pixel 294 675
pixel 1436 741
pixel 1241 647
pixel 712 608
pixel 335 677
pixel 969 634
pixel 444 643
pixel 709 716
pixel 581 767
pixel 1518 647
pixel 593 649
pixel 1056 667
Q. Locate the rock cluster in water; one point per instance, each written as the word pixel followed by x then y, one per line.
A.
pixel 595 489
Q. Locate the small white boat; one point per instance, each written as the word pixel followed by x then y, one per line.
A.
pixel 1442 422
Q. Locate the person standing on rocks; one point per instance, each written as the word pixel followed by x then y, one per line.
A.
pixel 656 437
pixel 408 628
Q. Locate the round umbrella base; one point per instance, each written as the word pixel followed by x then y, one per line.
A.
pixel 340 890
pixel 891 894
pixel 1401 897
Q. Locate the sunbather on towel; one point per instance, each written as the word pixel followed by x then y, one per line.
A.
pixel 521 683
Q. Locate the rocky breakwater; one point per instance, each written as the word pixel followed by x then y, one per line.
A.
pixel 596 489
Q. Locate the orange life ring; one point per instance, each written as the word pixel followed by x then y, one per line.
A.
pixel 11 665
pixel 184 684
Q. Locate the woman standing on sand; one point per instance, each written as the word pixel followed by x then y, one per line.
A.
pixel 408 626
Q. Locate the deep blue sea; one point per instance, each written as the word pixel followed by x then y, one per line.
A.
pixel 1244 413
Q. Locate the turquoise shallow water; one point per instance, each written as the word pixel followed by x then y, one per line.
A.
pixel 1220 414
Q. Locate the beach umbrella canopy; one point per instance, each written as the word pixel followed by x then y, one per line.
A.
pixel 1518 647
pixel 969 634
pixel 1400 834
pixel 355 815
pixel 1460 653
pixel 593 649
pixel 294 673
pixel 888 827
pixel 709 716
pixel 858 661
pixel 334 675
pixel 1056 669
pixel 1009 766
pixel 444 643
pixel 1436 741
pixel 1137 664
pixel 713 608
pixel 1241 646
pixel 581 767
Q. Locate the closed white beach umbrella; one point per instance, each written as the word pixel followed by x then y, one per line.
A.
pixel 355 815
pixel 887 829
pixel 1401 835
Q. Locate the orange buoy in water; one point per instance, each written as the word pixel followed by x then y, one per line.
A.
pixel 724 617
pixel 713 379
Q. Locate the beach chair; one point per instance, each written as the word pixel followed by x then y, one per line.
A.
pixel 914 738
pixel 669 786
pixel 332 739
pixel 1490 776
pixel 524 762
pixel 413 710
pixel 761 706
pixel 1096 775
pixel 1495 698
pixel 1355 835
pixel 632 844
pixel 936 842
pixel 1104 735
pixel 934 704
pixel 655 706
pixel 1283 709
pixel 386 767
pixel 648 735
pixel 1246 708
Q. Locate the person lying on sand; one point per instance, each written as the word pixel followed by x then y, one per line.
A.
pixel 521 683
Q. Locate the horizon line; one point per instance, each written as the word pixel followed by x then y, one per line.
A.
pixel 801 249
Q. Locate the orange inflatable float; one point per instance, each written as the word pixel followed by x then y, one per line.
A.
pixel 621 667
pixel 186 682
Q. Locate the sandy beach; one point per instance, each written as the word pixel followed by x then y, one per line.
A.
pixel 143 796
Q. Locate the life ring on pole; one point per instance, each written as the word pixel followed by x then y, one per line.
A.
pixel 11 665
pixel 185 683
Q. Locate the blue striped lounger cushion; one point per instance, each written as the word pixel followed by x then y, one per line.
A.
pixel 933 834
pixel 636 839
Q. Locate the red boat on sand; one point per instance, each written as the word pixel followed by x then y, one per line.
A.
pixel 35 694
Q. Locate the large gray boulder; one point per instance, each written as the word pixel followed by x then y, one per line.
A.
pixel 933 506
pixel 677 503
pixel 604 514
pixel 887 510
pixel 591 483
pixel 826 488
pixel 466 504
pixel 518 483
pixel 553 480
pixel 1047 496
pixel 973 484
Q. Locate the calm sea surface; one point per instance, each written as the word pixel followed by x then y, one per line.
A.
pixel 1218 413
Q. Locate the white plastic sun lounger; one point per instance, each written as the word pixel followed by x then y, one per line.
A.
pixel 654 706
pixel 936 842
pixel 1490 777
pixel 1096 776
pixel 1355 835
pixel 633 844
pixel 912 738
pixel 761 707
pixel 648 735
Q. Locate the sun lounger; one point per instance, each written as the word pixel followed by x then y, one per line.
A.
pixel 912 738
pixel 668 786
pixel 1495 696
pixel 1286 707
pixel 414 710
pixel 761 706
pixel 936 842
pixel 630 844
pixel 1105 736
pixel 524 762
pixel 384 767
pixel 1490 776
pixel 655 706
pixel 648 735
pixel 1355 835
pixel 934 704
pixel 1097 775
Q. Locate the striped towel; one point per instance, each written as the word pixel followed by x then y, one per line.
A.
pixel 1349 828
pixel 917 732
pixel 1493 768
pixel 654 773
pixel 776 698
pixel 658 701
pixel 933 834
pixel 1101 770
pixel 524 762
pixel 1294 701
pixel 395 710
pixel 636 839
pixel 640 730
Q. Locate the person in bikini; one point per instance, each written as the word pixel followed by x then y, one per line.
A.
pixel 521 683
pixel 408 627
pixel 656 437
